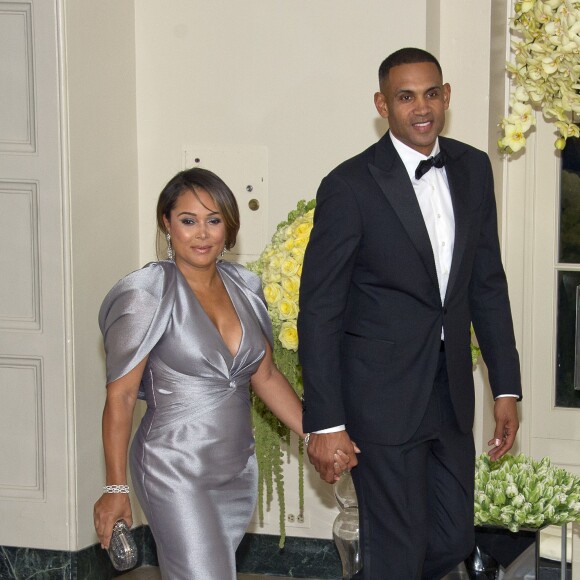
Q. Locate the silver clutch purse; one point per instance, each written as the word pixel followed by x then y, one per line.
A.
pixel 122 548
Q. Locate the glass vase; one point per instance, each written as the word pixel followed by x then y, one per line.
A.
pixel 345 530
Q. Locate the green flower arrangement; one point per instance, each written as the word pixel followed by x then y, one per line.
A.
pixel 546 71
pixel 280 266
pixel 518 492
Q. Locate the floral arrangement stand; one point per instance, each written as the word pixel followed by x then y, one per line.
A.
pixel 504 546
pixel 507 547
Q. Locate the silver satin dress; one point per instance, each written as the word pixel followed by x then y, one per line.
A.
pixel 192 459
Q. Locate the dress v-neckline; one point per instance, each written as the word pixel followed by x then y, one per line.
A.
pixel 209 320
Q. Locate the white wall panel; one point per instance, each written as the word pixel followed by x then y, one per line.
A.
pixel 19 283
pixel 22 449
pixel 17 116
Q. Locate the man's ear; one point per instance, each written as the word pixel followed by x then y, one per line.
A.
pixel 446 95
pixel 381 105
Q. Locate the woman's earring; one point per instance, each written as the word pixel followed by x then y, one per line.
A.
pixel 170 254
pixel 223 252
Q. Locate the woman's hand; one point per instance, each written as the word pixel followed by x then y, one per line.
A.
pixel 342 461
pixel 109 508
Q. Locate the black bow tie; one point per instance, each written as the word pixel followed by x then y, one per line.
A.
pixel 424 166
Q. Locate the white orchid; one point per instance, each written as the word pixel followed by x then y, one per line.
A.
pixel 513 139
pixel 546 70
pixel 522 113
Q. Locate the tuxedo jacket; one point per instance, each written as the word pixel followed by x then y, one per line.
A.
pixel 371 313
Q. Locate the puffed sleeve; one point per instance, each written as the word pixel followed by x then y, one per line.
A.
pixel 134 316
pixel 251 286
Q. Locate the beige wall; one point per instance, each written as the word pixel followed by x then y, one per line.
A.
pixel 102 132
pixel 297 77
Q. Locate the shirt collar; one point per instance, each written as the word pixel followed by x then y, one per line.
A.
pixel 409 156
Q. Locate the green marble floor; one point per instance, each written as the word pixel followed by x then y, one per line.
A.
pixel 152 573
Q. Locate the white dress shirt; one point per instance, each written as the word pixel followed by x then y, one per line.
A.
pixel 434 198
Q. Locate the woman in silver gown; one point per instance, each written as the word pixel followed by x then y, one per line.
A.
pixel 188 335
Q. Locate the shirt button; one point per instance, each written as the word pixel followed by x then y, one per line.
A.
pixel 232 384
pixel 443 243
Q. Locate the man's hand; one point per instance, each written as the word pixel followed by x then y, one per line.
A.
pixel 322 448
pixel 507 423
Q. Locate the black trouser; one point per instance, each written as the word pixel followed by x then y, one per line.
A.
pixel 416 499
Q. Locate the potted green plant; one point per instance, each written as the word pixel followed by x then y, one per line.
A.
pixel 519 492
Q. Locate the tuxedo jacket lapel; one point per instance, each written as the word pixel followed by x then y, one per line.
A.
pixel 391 176
pixel 457 176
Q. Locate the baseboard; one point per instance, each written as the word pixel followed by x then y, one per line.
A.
pixel 257 554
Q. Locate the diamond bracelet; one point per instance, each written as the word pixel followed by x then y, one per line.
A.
pixel 116 488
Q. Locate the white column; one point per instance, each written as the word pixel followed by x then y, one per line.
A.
pixel 469 39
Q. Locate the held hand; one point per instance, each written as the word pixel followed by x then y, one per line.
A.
pixel 342 461
pixel 109 508
pixel 506 426
pixel 322 449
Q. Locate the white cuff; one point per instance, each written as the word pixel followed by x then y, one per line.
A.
pixel 330 430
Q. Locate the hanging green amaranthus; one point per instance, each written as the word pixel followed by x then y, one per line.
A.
pixel 279 267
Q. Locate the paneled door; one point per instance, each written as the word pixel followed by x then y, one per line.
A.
pixel 555 376
pixel 35 493
pixel 552 335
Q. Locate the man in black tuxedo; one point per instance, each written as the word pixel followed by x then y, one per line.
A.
pixel 400 261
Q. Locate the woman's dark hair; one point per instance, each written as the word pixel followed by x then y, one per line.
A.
pixel 193 180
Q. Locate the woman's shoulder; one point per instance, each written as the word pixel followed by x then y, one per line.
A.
pixel 150 271
pixel 241 274
pixel 152 277
pixel 148 287
pixel 135 314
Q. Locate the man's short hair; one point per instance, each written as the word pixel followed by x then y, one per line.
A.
pixel 406 56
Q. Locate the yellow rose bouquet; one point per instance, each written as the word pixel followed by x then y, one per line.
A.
pixel 280 266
